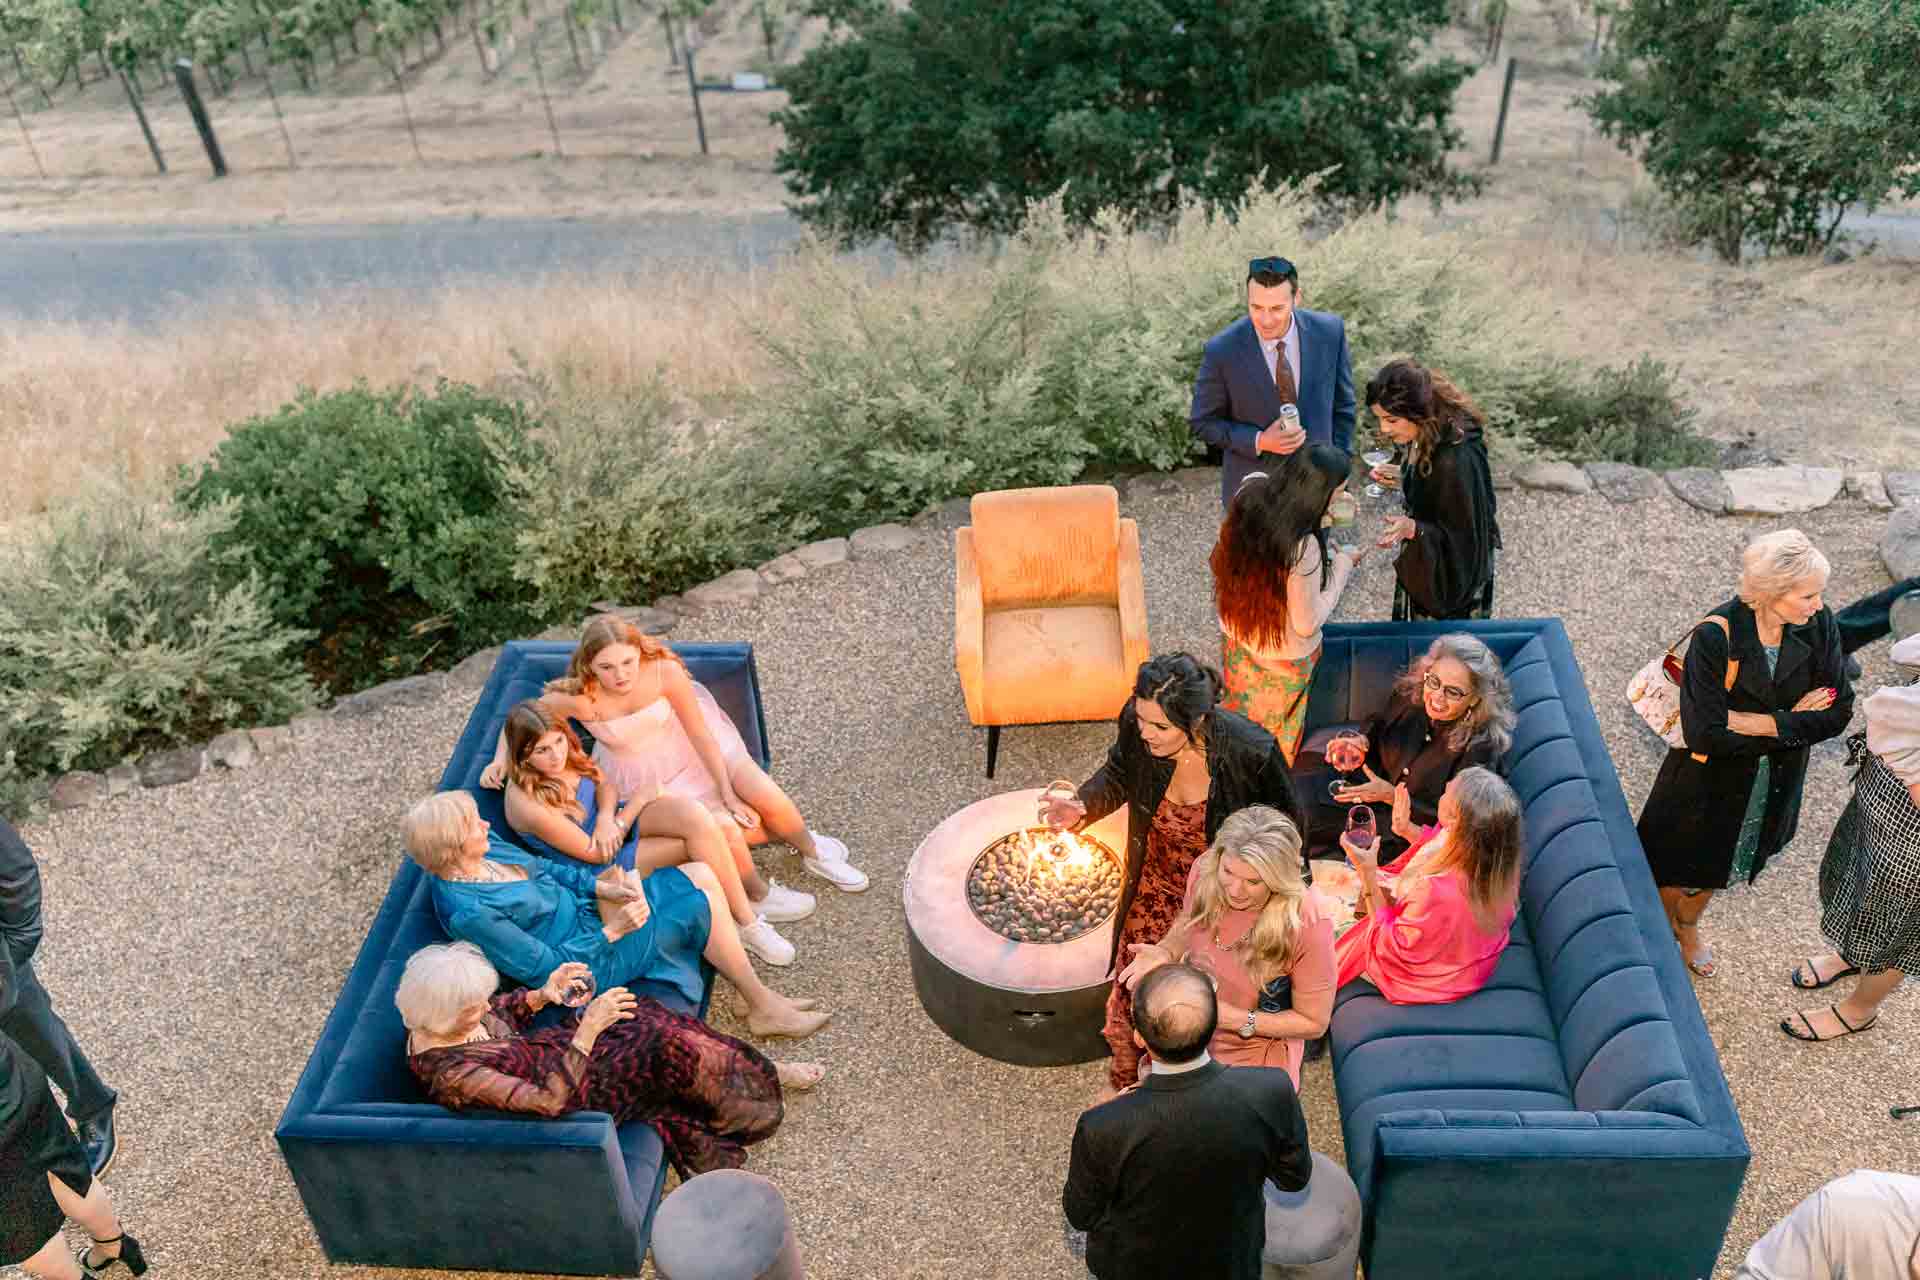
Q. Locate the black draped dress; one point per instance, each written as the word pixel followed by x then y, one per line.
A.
pixel 35 1140
pixel 1446 569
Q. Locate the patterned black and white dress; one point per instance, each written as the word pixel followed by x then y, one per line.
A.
pixel 1870 876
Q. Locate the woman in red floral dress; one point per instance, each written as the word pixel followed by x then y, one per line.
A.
pixel 708 1095
pixel 1183 765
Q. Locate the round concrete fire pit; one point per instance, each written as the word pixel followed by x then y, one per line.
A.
pixel 1035 1003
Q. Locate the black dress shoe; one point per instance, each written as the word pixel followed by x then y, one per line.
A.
pixel 96 1139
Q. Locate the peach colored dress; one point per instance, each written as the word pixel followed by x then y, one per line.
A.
pixel 647 754
pixel 1426 948
pixel 1312 970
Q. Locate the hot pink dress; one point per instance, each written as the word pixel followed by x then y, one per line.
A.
pixel 647 754
pixel 1425 949
pixel 1311 970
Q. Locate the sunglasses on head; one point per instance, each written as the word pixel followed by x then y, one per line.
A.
pixel 1273 266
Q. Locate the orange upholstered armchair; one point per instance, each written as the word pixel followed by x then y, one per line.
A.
pixel 1050 612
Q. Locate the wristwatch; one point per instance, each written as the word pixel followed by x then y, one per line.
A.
pixel 1246 1028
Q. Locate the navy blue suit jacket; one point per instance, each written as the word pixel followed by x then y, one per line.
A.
pixel 1234 397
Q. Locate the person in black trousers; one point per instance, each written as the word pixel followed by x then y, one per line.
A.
pixel 31 1022
pixel 1870 617
pixel 1166 1178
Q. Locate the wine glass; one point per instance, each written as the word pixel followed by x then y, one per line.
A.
pixel 1376 458
pixel 1360 827
pixel 579 990
pixel 1339 749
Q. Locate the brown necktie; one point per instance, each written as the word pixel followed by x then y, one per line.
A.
pixel 1283 375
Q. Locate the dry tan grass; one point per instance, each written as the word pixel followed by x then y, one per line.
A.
pixel 626 130
pixel 1807 360
pixel 78 401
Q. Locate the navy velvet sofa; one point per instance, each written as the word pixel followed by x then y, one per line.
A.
pixel 390 1179
pixel 1571 1118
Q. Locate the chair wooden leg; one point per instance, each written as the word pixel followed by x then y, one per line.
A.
pixel 993 747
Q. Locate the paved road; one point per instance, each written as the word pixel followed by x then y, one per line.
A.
pixel 144 275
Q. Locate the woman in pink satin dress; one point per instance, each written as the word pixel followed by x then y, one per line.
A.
pixel 1436 934
pixel 660 737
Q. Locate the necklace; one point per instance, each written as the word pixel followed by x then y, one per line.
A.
pixel 489 874
pixel 1228 946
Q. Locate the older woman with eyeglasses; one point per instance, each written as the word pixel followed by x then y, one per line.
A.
pixel 1450 710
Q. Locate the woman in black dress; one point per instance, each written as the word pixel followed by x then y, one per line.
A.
pixel 1765 678
pixel 45 1178
pixel 1445 568
pixel 1451 709
pixel 1183 765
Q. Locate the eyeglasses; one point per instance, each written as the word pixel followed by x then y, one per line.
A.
pixel 1273 266
pixel 1432 685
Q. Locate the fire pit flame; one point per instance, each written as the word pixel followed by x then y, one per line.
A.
pixel 1041 885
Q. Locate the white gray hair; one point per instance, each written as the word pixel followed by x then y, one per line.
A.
pixel 1491 714
pixel 442 981
pixel 1773 562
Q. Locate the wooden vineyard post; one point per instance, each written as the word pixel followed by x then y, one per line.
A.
pixel 140 114
pixel 190 93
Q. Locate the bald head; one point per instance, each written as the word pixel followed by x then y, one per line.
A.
pixel 1174 1012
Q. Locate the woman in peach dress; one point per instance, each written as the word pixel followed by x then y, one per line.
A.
pixel 1252 923
pixel 1436 935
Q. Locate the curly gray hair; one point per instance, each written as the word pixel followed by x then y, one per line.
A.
pixel 1490 712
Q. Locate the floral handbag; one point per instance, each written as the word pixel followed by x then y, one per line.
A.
pixel 1654 690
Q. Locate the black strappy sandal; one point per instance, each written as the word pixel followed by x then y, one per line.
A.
pixel 1814 1037
pixel 129 1257
pixel 1809 968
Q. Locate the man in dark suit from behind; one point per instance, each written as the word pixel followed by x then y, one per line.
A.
pixel 1279 353
pixel 1166 1178
pixel 29 1018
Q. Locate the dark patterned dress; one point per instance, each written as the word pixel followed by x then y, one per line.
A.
pixel 708 1095
pixel 1175 841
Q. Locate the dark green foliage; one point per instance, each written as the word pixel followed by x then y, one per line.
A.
pixel 1631 414
pixel 1764 120
pixel 379 521
pixel 117 637
pixel 959 113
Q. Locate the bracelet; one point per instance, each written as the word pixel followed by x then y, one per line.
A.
pixel 1246 1028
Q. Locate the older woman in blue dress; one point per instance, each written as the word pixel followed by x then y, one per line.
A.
pixel 530 915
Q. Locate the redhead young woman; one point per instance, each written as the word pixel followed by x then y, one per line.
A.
pixel 660 736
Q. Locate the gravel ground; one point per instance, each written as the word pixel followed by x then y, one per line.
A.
pixel 197 935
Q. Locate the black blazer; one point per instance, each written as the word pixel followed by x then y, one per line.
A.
pixel 1166 1179
pixel 1691 823
pixel 20 923
pixel 1244 766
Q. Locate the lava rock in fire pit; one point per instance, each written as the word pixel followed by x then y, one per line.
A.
pixel 1041 885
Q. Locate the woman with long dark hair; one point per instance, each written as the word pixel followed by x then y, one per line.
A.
pixel 1275 582
pixel 1181 764
pixel 1450 531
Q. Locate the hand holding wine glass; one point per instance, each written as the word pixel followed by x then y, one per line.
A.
pixel 1061 806
pixel 562 979
pixel 1361 841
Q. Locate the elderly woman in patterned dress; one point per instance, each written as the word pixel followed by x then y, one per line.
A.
pixel 1870 877
pixel 709 1095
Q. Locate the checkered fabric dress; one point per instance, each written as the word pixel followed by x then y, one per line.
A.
pixel 1870 876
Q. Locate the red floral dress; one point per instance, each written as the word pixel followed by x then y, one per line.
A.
pixel 708 1095
pixel 1175 840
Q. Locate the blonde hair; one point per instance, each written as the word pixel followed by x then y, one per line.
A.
pixel 442 981
pixel 435 827
pixel 1773 562
pixel 1266 840
pixel 603 632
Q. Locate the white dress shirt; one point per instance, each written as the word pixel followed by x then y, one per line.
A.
pixel 1181 1068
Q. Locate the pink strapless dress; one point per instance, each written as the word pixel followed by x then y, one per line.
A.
pixel 647 754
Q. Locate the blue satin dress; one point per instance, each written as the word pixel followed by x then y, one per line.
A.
pixel 528 928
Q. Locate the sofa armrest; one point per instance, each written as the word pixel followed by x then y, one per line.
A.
pixel 1132 600
pixel 1439 1178
pixel 969 626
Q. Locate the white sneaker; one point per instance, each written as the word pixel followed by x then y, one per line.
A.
pixel 760 938
pixel 833 865
pixel 783 905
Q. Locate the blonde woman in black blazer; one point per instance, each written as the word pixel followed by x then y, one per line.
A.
pixel 1730 799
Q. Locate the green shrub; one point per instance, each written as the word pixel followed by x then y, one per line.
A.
pixel 616 503
pixel 379 521
pixel 122 632
pixel 1628 414
pixel 1067 351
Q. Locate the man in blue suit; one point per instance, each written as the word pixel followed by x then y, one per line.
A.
pixel 1243 382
